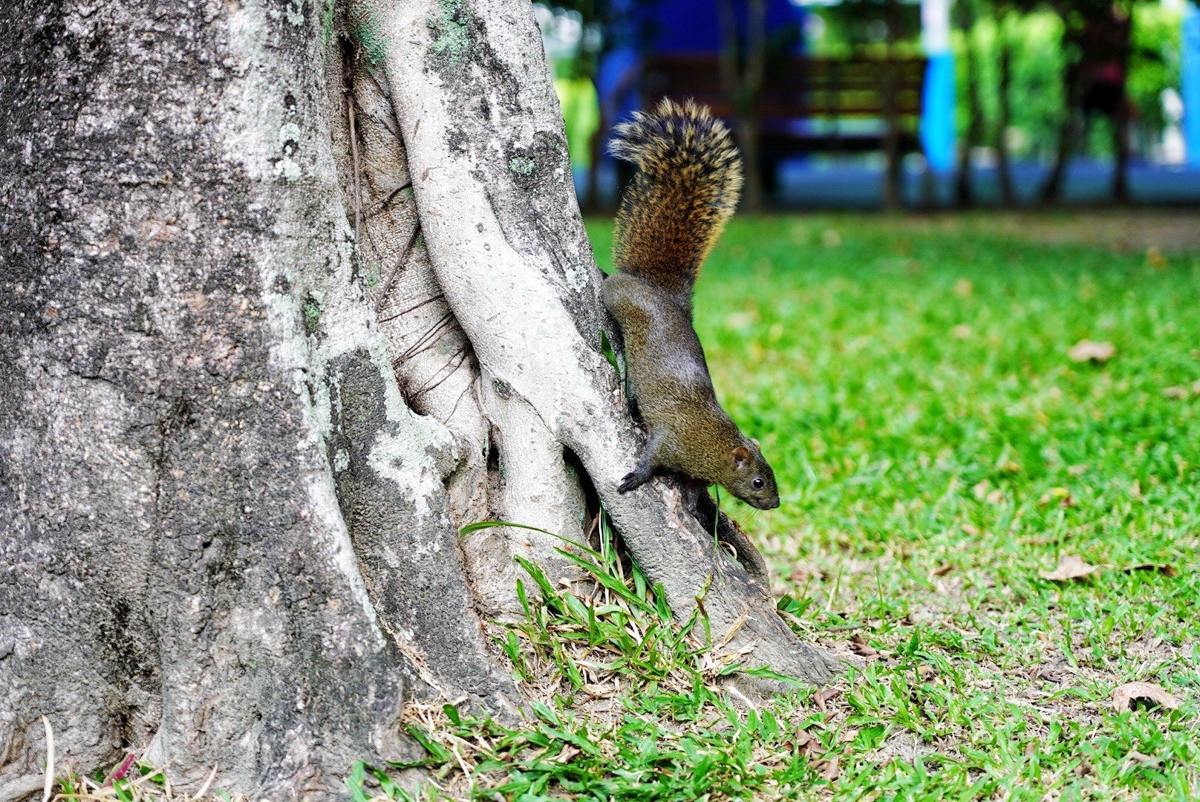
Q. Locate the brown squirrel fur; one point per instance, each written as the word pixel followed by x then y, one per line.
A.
pixel 685 190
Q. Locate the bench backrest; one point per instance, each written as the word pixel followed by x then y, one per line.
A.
pixel 797 86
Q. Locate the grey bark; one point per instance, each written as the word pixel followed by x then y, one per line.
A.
pixel 260 367
pixel 198 412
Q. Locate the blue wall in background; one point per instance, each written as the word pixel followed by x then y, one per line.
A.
pixel 692 25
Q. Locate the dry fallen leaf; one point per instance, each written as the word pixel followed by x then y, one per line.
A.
pixel 808 745
pixel 1049 674
pixel 1178 393
pixel 1125 696
pixel 1059 494
pixel 566 754
pixel 1069 567
pixel 859 645
pixel 970 529
pixel 1146 760
pixel 800 575
pixel 1088 351
pixel 822 697
pixel 943 569
pixel 1165 570
pixel 926 672
pixel 831 771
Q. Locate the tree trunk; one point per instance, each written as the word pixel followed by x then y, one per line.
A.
pixel 285 303
pixel 1072 129
pixel 1120 131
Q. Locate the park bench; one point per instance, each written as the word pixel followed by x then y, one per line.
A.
pixel 808 105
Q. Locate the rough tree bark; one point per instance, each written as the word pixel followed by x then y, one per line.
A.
pixel 289 294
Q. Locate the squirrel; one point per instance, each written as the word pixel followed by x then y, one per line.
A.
pixel 688 179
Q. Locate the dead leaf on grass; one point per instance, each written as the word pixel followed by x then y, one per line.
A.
pixel 808 745
pixel 1069 567
pixel 831 771
pixel 1059 494
pixel 801 574
pixel 1146 760
pixel 1047 674
pixel 971 529
pixel 944 568
pixel 1165 570
pixel 1126 696
pixel 926 672
pixel 822 697
pixel 1088 351
pixel 859 645
pixel 1177 393
pixel 566 754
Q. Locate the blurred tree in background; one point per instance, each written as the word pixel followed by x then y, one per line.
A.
pixel 1021 69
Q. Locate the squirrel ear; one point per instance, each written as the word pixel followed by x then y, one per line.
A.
pixel 741 457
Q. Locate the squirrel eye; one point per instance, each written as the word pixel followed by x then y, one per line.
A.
pixel 758 483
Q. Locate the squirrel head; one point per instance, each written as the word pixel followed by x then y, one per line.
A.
pixel 753 480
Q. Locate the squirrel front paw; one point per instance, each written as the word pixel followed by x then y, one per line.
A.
pixel 632 481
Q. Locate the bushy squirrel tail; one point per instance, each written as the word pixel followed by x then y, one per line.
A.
pixel 686 188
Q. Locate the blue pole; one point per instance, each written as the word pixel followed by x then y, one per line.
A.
pixel 937 113
pixel 1189 80
pixel 938 101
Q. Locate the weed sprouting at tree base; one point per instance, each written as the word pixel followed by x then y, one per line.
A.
pixel 629 704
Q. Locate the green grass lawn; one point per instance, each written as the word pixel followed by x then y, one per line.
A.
pixel 936 447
